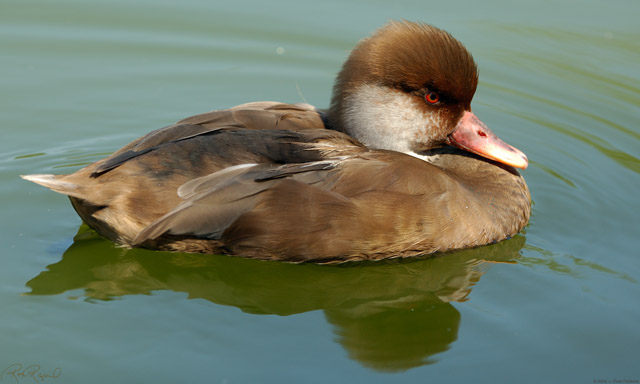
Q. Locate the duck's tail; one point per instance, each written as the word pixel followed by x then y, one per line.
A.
pixel 56 183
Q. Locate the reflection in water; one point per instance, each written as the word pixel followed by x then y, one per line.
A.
pixel 389 315
pixel 396 336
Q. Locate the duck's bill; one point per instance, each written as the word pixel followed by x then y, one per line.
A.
pixel 474 136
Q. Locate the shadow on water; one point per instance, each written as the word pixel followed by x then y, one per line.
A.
pixel 390 315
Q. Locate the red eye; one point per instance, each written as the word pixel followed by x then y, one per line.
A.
pixel 432 97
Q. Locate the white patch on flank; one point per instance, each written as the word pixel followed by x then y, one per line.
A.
pixel 328 163
pixel 235 167
pixel 427 158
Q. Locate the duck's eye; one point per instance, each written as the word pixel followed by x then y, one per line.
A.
pixel 432 97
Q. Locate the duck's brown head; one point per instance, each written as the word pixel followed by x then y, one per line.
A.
pixel 408 88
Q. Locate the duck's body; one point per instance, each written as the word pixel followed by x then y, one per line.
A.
pixel 279 181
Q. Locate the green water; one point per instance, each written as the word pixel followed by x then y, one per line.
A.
pixel 559 303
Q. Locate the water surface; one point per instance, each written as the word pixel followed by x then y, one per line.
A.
pixel 558 302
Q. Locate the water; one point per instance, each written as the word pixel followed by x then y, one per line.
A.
pixel 558 303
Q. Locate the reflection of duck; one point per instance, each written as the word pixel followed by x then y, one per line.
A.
pixel 398 338
pixel 388 316
pixel 267 180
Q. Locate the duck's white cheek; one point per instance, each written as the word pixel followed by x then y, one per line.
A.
pixel 385 118
pixel 424 137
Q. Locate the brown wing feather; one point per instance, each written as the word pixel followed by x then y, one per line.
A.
pixel 213 202
pixel 255 116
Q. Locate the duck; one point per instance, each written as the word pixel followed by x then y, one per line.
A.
pixel 398 166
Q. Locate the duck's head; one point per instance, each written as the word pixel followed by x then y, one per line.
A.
pixel 408 88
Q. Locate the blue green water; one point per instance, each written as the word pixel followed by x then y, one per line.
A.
pixel 558 303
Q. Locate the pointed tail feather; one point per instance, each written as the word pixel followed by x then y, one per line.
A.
pixel 56 183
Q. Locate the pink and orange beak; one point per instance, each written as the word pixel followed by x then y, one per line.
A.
pixel 474 136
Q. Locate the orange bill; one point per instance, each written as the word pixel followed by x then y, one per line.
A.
pixel 474 136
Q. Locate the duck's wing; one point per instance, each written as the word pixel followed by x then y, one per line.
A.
pixel 259 115
pixel 213 202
